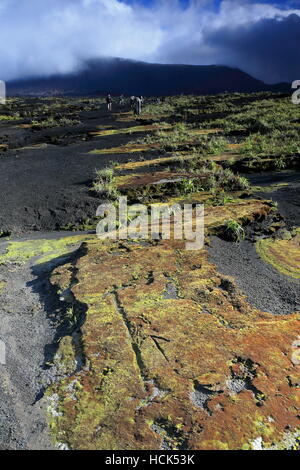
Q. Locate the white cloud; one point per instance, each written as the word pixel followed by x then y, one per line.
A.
pixel 55 36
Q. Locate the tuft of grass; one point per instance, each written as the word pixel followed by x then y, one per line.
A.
pixel 187 186
pixel 235 231
pixel 280 163
pixel 105 183
pixel 230 181
pixel 216 145
pixel 226 199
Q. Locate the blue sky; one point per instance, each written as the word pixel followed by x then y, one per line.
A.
pixel 216 3
pixel 261 37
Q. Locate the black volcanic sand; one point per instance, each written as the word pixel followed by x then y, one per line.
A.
pixel 48 188
pixel 265 288
pixel 32 321
pixel 287 197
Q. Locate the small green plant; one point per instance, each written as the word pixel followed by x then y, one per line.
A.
pixel 279 163
pixel 105 183
pixel 235 231
pixel 187 186
pixel 226 200
pixel 217 145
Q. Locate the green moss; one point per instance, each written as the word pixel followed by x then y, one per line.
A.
pixel 20 252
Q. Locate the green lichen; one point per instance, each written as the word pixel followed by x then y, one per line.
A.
pixel 21 252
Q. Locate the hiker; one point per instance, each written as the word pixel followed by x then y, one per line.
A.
pixel 109 102
pixel 137 106
pixel 132 100
pixel 121 101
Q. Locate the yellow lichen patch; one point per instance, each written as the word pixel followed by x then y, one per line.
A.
pixel 33 147
pixel 153 162
pixel 241 210
pixel 283 255
pixel 5 117
pixel 174 355
pixel 178 157
pixel 122 149
pixel 130 130
pixel 21 252
pixel 2 286
pixel 131 148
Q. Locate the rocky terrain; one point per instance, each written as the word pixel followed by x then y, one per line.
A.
pixel 142 344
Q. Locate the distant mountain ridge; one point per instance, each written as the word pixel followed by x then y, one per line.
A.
pixel 120 76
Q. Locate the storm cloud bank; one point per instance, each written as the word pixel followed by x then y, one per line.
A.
pixel 39 38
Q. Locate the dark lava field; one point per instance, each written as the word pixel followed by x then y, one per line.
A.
pixel 142 344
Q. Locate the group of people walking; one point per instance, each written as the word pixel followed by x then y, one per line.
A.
pixel 135 103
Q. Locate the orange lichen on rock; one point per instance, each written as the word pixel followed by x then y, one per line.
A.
pixel 174 356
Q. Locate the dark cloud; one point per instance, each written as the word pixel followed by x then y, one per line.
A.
pixel 268 49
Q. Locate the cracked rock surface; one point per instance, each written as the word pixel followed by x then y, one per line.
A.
pixel 160 373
